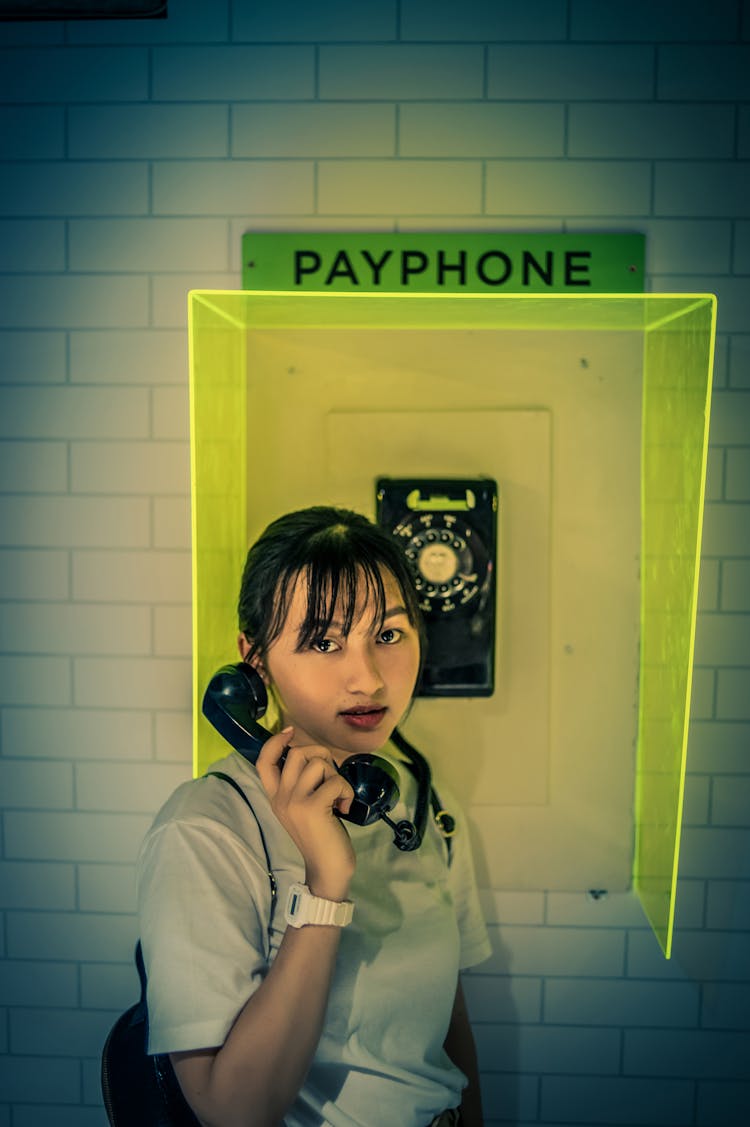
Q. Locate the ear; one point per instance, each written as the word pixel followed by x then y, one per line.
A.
pixel 244 646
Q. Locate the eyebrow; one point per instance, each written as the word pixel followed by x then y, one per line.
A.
pixel 392 612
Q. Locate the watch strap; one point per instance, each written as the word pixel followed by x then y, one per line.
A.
pixel 303 908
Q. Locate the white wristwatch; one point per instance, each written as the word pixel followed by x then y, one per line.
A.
pixel 304 908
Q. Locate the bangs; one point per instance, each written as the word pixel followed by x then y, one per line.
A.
pixel 334 592
pixel 335 587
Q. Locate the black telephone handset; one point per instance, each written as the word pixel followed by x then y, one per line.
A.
pixel 233 702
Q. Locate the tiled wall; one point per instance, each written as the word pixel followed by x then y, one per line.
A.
pixel 134 156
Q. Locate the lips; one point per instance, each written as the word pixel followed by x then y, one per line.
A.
pixel 363 717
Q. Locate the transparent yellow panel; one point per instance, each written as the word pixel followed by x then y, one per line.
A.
pixel 676 405
pixel 281 309
pixel 218 448
pixel 675 334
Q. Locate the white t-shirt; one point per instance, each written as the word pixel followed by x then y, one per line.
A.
pixel 205 904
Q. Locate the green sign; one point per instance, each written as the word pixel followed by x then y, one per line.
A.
pixel 474 262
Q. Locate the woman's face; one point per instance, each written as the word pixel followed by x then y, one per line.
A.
pixel 344 692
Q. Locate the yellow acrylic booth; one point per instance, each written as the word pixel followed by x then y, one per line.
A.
pixel 591 413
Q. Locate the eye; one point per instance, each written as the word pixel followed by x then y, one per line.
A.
pixel 324 645
pixel 390 636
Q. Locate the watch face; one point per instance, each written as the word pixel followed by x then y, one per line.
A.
pixel 295 896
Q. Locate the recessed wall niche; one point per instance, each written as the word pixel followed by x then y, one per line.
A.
pixel 591 414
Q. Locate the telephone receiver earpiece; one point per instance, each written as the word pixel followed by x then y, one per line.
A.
pixel 236 698
pixel 233 702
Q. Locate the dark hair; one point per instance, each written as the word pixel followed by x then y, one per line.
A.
pixel 336 550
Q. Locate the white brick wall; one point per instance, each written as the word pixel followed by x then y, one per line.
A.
pixel 135 154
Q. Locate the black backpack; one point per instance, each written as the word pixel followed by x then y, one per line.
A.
pixel 140 1090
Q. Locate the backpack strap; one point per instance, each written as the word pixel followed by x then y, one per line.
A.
pixel 269 869
pixel 140 1012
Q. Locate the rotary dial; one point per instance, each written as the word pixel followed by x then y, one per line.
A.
pixel 441 551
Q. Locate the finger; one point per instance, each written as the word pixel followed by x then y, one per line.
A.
pixel 312 775
pixel 334 794
pixel 321 783
pixel 343 804
pixel 270 761
pixel 300 778
pixel 296 761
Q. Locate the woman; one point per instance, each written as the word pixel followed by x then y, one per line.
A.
pixel 361 1025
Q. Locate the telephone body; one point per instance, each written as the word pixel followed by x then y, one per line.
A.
pixel 234 701
pixel 447 529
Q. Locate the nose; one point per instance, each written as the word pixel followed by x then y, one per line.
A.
pixel 363 671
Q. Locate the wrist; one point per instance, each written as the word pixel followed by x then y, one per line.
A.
pixel 326 886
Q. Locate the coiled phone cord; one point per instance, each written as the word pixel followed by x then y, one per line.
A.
pixel 426 794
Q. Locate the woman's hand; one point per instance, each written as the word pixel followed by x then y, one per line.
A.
pixel 306 790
